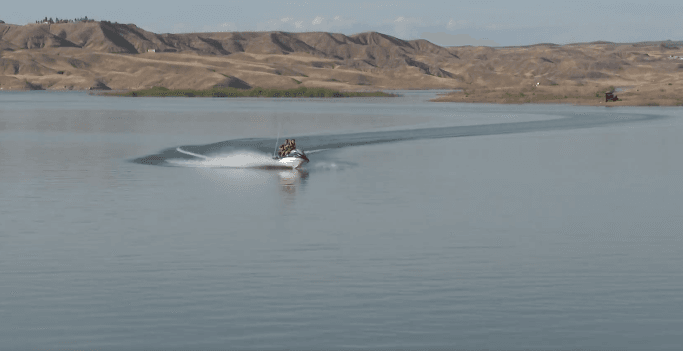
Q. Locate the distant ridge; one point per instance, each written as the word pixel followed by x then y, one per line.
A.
pixel 80 56
pixel 375 49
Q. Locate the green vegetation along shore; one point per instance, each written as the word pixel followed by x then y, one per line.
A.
pixel 254 92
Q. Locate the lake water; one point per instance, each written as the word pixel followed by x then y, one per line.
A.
pixel 416 225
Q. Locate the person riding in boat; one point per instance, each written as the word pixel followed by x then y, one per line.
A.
pixel 283 148
pixel 286 148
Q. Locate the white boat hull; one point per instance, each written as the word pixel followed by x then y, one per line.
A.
pixel 293 162
pixel 294 159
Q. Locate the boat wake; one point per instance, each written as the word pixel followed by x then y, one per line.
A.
pixel 235 159
pixel 257 152
pixel 192 153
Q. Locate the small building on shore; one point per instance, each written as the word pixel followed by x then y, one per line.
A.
pixel 610 96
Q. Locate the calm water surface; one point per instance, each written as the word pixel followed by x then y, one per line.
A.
pixel 416 225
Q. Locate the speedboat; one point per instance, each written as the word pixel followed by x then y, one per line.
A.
pixel 294 159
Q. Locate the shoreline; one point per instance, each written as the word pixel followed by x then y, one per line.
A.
pixel 650 95
pixel 221 92
pixel 498 96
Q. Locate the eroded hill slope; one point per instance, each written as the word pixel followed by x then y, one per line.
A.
pixel 119 56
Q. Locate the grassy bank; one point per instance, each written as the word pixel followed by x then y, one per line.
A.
pixel 254 92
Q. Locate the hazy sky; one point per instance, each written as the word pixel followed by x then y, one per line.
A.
pixel 494 23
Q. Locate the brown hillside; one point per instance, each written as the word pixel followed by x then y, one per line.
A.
pixel 95 54
pixel 32 36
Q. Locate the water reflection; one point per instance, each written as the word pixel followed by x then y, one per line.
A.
pixel 292 179
pixel 249 180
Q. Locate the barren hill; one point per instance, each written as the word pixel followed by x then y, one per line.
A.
pixel 119 56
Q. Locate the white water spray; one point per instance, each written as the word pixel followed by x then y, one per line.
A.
pixel 236 159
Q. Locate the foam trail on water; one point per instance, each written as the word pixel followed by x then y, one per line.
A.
pixel 328 166
pixel 236 159
pixel 191 153
pixel 314 151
